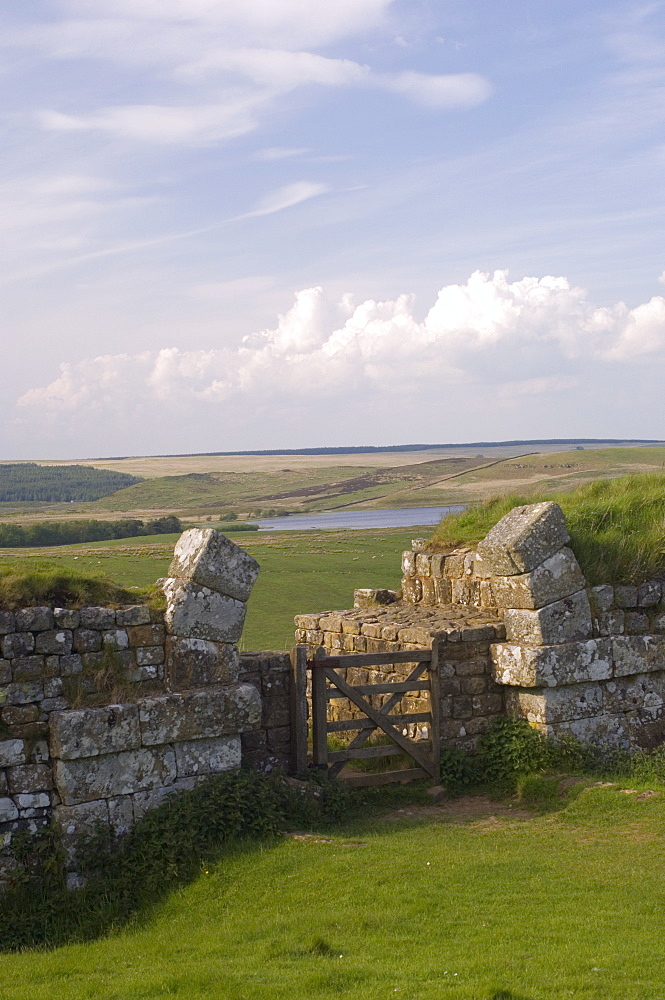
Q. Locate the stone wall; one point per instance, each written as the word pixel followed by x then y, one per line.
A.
pixel 267 745
pixel 565 656
pixel 105 712
pixel 470 698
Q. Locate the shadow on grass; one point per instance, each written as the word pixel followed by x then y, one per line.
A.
pixel 127 877
pixel 508 995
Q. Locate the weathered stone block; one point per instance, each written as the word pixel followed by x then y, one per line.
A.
pixel 428 585
pixel 636 622
pixel 412 590
pixel 53 688
pixel 55 641
pixel 454 564
pixel 87 640
pixel 555 578
pixel 121 814
pixel 206 557
pixel 12 752
pixel 7 622
pixel 423 564
pixel 114 774
pixel 194 611
pixel 625 596
pixel 643 693
pixel 17 644
pixel 8 810
pixel 64 666
pixel 23 692
pixel 408 564
pixel 610 622
pixel 223 711
pixel 649 594
pixel 195 757
pixel 602 597
pixel 367 597
pixel 88 732
pixel 195 663
pixel 146 635
pixel 115 638
pixel 147 672
pixel 143 802
pixel 65 618
pixel 29 778
pixel 638 654
pixel 137 615
pixel 562 621
pixel 463 591
pixel 443 590
pixel 20 715
pixel 32 800
pixel 552 666
pixel 149 656
pixel 307 621
pixel 95 617
pixel 33 619
pixel 76 820
pixel 26 668
pixel 554 705
pixel 524 538
pixel 5 671
pixel 487 704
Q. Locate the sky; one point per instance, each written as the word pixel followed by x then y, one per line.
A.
pixel 252 224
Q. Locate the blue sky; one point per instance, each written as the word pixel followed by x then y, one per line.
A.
pixel 258 224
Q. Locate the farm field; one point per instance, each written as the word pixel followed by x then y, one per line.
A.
pixel 207 488
pixel 473 900
pixel 301 572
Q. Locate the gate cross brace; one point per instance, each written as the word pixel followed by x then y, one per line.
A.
pixel 380 720
pixel 365 734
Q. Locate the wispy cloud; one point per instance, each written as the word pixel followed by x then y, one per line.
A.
pixel 287 197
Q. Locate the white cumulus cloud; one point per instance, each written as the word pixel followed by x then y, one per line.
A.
pixel 528 338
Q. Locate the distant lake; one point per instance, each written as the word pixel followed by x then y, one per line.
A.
pixel 407 517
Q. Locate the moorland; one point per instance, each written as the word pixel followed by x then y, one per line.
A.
pixel 202 488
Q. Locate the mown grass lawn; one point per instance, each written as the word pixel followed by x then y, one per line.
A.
pixel 510 906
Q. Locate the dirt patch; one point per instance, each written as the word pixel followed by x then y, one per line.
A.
pixel 313 839
pixel 464 809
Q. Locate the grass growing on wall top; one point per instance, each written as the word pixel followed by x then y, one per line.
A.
pixel 38 583
pixel 617 526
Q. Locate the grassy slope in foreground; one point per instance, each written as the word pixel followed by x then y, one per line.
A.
pixel 301 572
pixel 617 526
pixel 497 906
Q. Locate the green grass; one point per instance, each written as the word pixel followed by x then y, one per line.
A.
pixel 617 526
pixel 44 582
pixel 529 906
pixel 304 571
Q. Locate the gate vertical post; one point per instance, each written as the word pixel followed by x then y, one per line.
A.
pixel 319 712
pixel 435 710
pixel 299 709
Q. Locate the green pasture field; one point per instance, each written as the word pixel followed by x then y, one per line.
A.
pixel 471 900
pixel 301 572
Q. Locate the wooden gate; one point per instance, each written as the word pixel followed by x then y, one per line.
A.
pixel 328 683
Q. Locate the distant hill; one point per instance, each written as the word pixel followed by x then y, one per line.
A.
pixel 370 449
pixel 21 481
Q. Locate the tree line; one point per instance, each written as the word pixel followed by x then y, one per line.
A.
pixel 21 481
pixel 73 532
